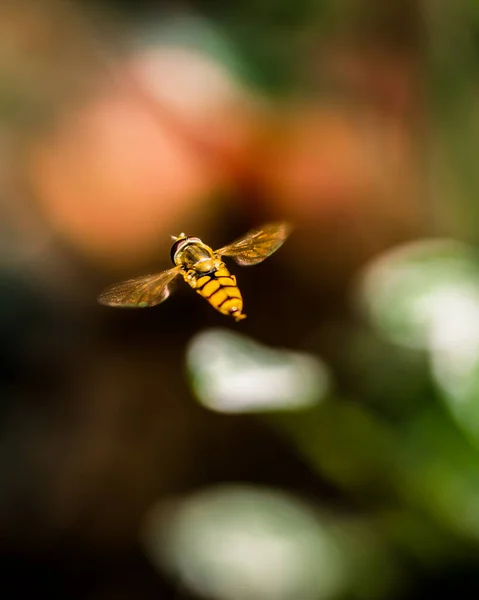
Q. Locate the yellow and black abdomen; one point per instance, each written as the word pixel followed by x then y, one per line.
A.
pixel 220 290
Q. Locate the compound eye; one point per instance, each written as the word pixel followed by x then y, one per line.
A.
pixel 174 249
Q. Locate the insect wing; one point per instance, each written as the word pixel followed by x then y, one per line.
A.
pixel 140 292
pixel 257 244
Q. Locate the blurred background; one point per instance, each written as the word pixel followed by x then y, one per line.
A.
pixel 326 448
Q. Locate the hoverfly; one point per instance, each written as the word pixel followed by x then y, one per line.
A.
pixel 203 269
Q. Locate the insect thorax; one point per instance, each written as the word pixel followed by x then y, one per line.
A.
pixel 193 254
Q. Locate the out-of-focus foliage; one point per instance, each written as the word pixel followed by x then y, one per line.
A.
pixel 230 373
pixel 240 542
pixel 328 446
pixel 248 543
pixel 427 296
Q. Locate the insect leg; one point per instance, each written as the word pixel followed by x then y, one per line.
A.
pixel 190 277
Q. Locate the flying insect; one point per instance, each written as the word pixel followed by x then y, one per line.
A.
pixel 203 269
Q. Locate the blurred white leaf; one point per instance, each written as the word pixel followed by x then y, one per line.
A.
pixel 240 543
pixel 417 291
pixel 232 373
pixel 426 295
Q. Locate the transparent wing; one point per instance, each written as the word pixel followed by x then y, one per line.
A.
pixel 257 244
pixel 140 292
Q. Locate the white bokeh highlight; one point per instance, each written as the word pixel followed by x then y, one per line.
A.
pixel 243 543
pixel 425 295
pixel 231 373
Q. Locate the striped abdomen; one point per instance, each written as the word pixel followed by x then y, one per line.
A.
pixel 221 291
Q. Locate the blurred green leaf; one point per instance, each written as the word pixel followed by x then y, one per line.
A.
pixel 346 444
